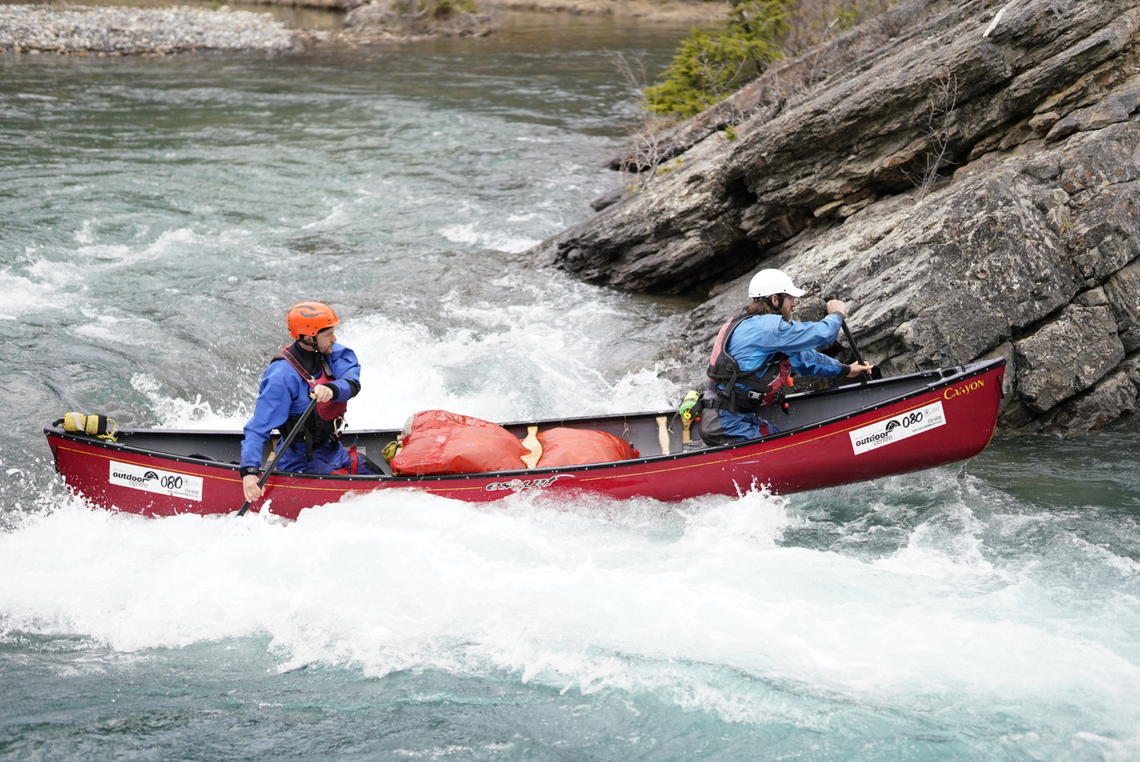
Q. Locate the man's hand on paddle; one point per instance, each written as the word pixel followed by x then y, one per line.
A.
pixel 249 484
pixel 250 487
pixel 859 368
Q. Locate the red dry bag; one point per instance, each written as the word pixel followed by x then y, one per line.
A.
pixel 576 447
pixel 439 442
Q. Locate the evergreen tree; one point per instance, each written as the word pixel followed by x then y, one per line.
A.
pixel 711 64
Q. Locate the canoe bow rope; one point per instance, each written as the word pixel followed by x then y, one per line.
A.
pixel 96 425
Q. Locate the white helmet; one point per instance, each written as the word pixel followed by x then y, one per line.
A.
pixel 768 282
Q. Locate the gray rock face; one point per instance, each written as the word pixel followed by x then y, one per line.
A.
pixel 1068 355
pixel 967 174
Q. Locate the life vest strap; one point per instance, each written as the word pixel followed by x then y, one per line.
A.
pixel 757 393
pixel 328 423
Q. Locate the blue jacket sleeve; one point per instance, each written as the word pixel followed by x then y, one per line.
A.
pixel 345 368
pixel 274 402
pixel 808 362
pixel 758 338
pixel 798 337
pixel 813 363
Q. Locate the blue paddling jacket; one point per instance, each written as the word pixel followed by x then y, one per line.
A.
pixel 284 395
pixel 754 356
pixel 759 337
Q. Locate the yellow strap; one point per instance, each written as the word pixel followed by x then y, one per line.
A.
pixel 391 450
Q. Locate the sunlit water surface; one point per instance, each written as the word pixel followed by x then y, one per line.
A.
pixel 157 216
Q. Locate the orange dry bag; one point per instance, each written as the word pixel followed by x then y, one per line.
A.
pixel 439 442
pixel 575 447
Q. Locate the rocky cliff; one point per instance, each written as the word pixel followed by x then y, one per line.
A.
pixel 966 173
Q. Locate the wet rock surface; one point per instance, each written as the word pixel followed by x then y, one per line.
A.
pixel 113 30
pixel 967 174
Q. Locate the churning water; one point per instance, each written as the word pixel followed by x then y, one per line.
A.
pixel 157 216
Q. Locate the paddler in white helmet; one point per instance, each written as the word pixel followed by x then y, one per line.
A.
pixel 755 354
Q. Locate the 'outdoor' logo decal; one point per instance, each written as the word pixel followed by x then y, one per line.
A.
pixel 151 480
pixel 897 428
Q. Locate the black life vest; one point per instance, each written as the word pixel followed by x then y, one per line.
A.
pixel 329 418
pixel 765 385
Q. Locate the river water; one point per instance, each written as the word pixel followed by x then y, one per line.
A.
pixel 157 216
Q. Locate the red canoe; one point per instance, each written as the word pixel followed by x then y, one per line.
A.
pixel 835 436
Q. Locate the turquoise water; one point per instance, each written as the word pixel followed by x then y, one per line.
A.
pixel 158 216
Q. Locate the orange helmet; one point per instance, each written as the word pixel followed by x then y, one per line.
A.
pixel 309 318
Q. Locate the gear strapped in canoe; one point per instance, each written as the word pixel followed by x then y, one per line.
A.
pixel 94 425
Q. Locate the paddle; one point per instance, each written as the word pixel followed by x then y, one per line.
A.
pixel 288 441
pixel 858 354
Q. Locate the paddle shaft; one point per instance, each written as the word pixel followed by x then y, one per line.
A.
pixel 858 356
pixel 288 441
pixel 851 341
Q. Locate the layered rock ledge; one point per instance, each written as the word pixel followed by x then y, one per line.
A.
pixel 966 173
pixel 112 30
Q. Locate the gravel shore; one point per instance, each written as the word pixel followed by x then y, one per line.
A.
pixel 123 30
pixel 87 30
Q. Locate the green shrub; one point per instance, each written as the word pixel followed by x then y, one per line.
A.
pixel 445 8
pixel 711 64
pixel 434 8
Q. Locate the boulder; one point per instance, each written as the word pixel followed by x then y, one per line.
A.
pixel 1068 355
pixel 1121 292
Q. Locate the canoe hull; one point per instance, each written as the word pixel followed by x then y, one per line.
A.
pixel 934 426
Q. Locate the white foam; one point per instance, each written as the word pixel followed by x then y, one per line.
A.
pixel 25 296
pixel 473 235
pixel 198 414
pixel 45 284
pixel 96 257
pixel 700 603
pixel 533 358
pixel 118 328
pixel 335 217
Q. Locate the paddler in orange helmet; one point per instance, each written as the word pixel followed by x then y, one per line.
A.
pixel 313 367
